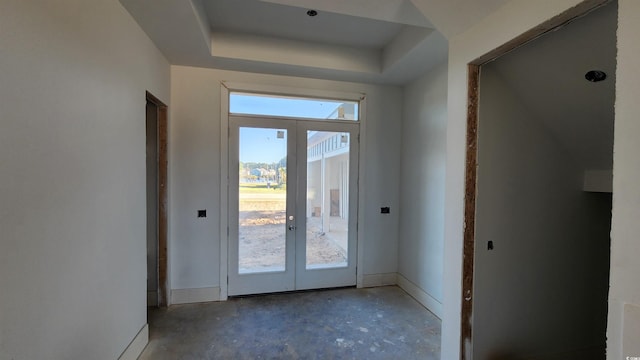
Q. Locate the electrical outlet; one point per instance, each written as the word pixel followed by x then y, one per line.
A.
pixel 202 213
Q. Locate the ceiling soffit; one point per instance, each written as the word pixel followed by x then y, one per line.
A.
pixel 352 40
pixel 279 31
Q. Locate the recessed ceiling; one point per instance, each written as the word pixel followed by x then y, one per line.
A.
pixel 377 41
pixel 293 23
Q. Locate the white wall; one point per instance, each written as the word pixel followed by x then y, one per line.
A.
pixel 195 171
pixel 496 29
pixel 422 184
pixel 72 179
pixel 625 247
pixel 542 291
pixel 501 26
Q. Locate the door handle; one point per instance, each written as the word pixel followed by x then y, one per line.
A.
pixel 291 227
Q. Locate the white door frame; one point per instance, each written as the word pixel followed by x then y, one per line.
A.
pixel 309 278
pixel 225 89
pixel 298 276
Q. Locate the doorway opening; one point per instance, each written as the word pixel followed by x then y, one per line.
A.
pixel 292 194
pixel 157 161
pixel 538 196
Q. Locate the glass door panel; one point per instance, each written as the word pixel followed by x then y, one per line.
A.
pixel 282 239
pixel 262 200
pixel 326 240
pixel 327 199
pixel 261 206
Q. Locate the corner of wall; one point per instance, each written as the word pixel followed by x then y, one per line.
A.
pixel 421 296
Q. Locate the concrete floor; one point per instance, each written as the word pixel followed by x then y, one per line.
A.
pixel 372 323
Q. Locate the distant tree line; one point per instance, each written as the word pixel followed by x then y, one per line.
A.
pixel 275 172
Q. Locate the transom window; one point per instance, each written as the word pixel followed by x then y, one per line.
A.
pixel 287 106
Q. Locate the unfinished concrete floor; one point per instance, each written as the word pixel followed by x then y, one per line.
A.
pixel 372 323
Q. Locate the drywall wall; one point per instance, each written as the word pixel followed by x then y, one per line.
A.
pixel 421 235
pixel 625 247
pixel 496 29
pixel 72 179
pixel 542 290
pixel 194 167
pixel 578 112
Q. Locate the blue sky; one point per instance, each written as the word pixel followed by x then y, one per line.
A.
pixel 262 145
pixel 280 106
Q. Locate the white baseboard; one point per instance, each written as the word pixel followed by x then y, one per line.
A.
pixel 137 345
pixel 198 295
pixel 422 297
pixel 374 280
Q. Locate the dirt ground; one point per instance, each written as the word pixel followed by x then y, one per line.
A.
pixel 262 231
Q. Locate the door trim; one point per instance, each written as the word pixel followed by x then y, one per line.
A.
pixel 296 275
pixel 163 286
pixel 470 192
pixel 225 88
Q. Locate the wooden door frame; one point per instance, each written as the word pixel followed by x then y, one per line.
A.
pixel 163 288
pixel 473 92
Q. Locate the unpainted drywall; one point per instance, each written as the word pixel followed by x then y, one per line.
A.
pixel 542 290
pixel 422 182
pixel 194 167
pixel 72 179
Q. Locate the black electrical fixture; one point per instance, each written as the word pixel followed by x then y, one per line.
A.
pixel 312 13
pixel 595 75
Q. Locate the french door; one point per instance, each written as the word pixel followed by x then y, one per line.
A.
pixel 292 204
